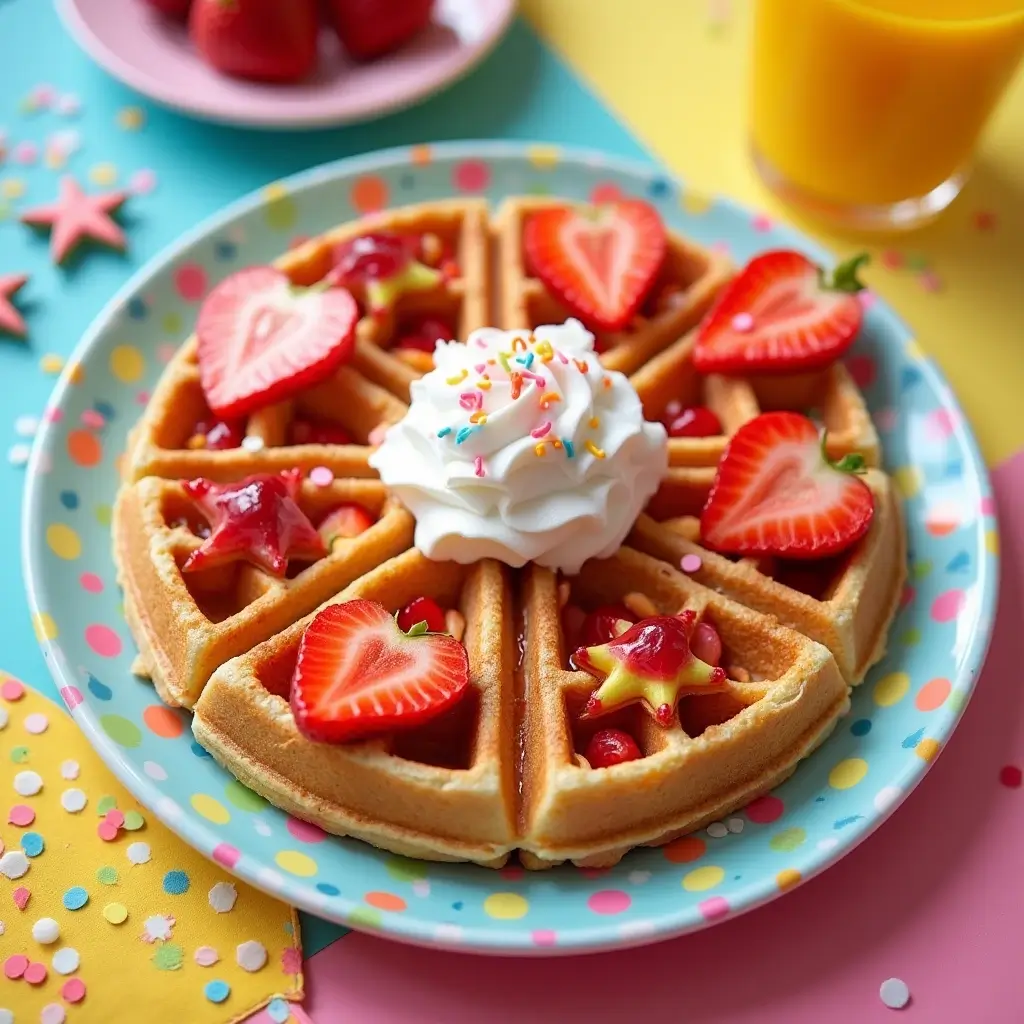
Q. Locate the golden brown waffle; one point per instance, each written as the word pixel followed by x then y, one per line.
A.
pixel 444 791
pixel 503 770
pixel 187 624
pixel 846 603
pixel 690 278
pixel 783 697
pixel 828 396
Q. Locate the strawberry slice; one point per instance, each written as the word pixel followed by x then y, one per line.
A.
pixel 781 313
pixel 599 261
pixel 359 675
pixel 262 340
pixel 777 493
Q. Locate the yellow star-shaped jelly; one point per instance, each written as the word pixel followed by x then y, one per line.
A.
pixel 652 663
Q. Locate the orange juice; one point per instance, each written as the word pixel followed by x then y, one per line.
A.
pixel 872 102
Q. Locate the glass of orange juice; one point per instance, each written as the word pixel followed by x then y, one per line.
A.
pixel 868 111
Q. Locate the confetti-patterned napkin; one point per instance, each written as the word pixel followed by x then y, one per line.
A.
pixel 106 915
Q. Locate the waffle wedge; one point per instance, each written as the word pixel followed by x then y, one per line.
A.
pixel 828 395
pixel 186 624
pixel 846 603
pixel 444 791
pixel 687 284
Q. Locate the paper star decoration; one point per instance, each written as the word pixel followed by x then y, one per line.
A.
pixel 11 321
pixel 75 217
pixel 652 663
pixel 256 519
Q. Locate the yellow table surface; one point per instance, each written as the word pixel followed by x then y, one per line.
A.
pixel 680 84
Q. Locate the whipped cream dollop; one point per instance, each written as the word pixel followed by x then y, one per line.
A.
pixel 520 446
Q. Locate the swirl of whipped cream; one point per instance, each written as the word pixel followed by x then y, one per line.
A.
pixel 520 446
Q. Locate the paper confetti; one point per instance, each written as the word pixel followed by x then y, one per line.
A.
pixel 894 993
pixel 28 783
pixel 168 957
pixel 138 853
pixel 222 897
pixel 251 956
pixel 65 960
pixel 157 928
pixel 206 956
pixel 46 931
pixel 13 864
pixel 73 800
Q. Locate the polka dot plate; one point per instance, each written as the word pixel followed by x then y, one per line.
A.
pixel 901 717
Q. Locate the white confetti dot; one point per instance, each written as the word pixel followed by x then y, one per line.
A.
pixel 262 827
pixel 886 797
pixel 28 783
pixel 69 770
pixel 154 771
pixel 6 1016
pixel 421 887
pixel 13 864
pixel 17 454
pixel 251 956
pixel 717 830
pixel 46 930
pixel 322 476
pixel 138 853
pixel 73 800
pixel 690 563
pixel 206 956
pixel 66 960
pixel 735 825
pixel 639 877
pixel 158 927
pixel 222 897
pixel 36 724
pixel 252 443
pixel 52 1013
pixel 894 993
pixel 26 426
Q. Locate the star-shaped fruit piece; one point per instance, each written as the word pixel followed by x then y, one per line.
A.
pixel 256 519
pixel 75 217
pixel 11 321
pixel 652 663
pixel 385 265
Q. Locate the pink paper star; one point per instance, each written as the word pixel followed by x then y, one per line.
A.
pixel 77 216
pixel 11 321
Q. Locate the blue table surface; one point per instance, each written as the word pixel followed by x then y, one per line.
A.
pixel 523 91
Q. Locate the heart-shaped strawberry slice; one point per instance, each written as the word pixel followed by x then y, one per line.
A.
pixel 359 675
pixel 599 261
pixel 262 340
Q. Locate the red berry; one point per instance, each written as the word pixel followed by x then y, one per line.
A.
pixel 424 334
pixel 695 421
pixel 602 625
pixel 422 609
pixel 346 521
pixel 611 746
pixel 220 434
pixel 372 257
pixel 706 644
pixel 317 432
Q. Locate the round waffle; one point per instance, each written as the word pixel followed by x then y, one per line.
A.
pixel 503 771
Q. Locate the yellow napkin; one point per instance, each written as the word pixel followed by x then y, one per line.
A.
pixel 107 916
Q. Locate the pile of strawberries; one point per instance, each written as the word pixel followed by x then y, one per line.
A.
pixel 276 40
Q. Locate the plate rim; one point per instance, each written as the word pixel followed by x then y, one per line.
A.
pixel 112 64
pixel 408 928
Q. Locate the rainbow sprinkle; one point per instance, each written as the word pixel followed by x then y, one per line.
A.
pixel 484 384
pixel 594 423
pixel 480 367
pixel 458 378
pixel 594 450
pixel 538 449
pixel 518 345
pixel 516 380
pixel 503 356
pixel 466 431
pixel 478 417
pixel 480 343
pixel 444 431
pixel 478 465
pixel 570 449
pixel 526 360
pixel 548 397
pixel 581 365
pixel 541 430
pixel 561 355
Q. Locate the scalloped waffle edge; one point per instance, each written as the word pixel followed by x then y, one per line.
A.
pixel 181 639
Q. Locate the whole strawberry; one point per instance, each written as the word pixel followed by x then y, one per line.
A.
pixel 371 28
pixel 265 40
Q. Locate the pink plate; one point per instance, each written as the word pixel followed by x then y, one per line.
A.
pixel 153 55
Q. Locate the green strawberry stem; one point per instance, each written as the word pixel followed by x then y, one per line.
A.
pixel 843 277
pixel 419 629
pixel 852 463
